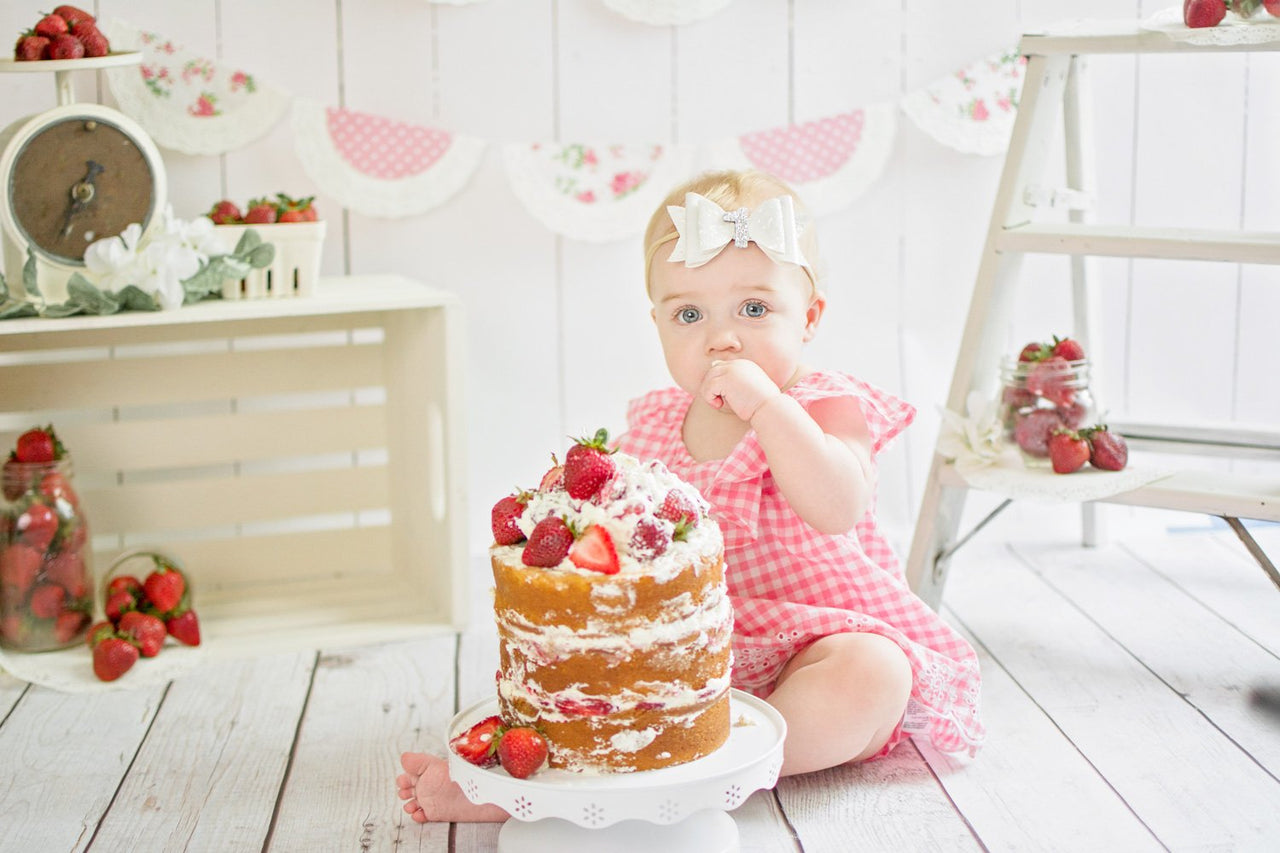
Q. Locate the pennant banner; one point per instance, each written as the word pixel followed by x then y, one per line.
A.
pixel 186 102
pixel 595 193
pixel 378 166
pixel 973 109
pixel 829 162
pixel 666 12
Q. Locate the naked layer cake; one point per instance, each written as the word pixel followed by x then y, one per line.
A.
pixel 612 613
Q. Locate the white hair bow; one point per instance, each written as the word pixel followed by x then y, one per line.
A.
pixel 704 228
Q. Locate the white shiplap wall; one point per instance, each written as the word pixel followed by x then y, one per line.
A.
pixel 559 334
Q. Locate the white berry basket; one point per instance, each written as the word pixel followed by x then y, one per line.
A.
pixel 294 269
pixel 673 809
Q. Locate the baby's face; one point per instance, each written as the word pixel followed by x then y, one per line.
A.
pixel 740 304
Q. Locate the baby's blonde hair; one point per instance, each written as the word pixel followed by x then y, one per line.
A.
pixel 731 189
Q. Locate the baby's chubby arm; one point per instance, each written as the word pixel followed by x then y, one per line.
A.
pixel 820 458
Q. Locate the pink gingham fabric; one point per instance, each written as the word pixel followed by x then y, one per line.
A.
pixel 791 585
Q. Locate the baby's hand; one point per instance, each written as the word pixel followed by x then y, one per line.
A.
pixel 739 384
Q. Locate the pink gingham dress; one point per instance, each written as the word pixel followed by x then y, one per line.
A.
pixel 791 585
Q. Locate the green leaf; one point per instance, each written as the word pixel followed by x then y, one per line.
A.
pixel 4 290
pixel 82 292
pixel 248 240
pixel 262 255
pixel 29 275
pixel 62 309
pixel 11 310
pixel 134 298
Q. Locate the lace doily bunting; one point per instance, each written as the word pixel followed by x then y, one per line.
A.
pixel 973 109
pixel 70 670
pixel 381 167
pixel 1232 29
pixel 666 12
pixel 596 193
pixel 186 102
pixel 830 161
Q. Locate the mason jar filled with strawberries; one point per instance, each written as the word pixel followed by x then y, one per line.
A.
pixel 46 579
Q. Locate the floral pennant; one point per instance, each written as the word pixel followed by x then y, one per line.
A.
pixel 189 103
pixel 378 166
pixel 973 109
pixel 594 192
pixel 666 12
pixel 829 161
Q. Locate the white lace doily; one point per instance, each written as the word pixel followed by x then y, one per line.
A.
pixel 1232 29
pixel 596 193
pixel 1011 478
pixel 71 670
pixel 829 162
pixel 188 103
pixel 666 12
pixel 973 109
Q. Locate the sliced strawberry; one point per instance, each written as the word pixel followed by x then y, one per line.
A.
pixel 478 744
pixel 594 551
pixel 522 751
pixel 587 466
pixel 587 707
pixel 549 543
pixel 553 480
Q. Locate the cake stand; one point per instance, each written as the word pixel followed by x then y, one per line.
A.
pixel 675 809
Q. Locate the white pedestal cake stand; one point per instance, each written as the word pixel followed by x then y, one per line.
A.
pixel 676 809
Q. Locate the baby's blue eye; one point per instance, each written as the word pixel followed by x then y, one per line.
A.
pixel 755 309
pixel 688 315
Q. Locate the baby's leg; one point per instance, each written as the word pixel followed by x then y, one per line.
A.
pixel 842 698
pixel 432 796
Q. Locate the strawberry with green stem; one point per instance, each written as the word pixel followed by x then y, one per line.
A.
pixel 588 465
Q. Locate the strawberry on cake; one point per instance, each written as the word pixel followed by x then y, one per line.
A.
pixel 612 613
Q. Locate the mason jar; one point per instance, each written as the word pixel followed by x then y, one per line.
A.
pixel 1037 397
pixel 46 579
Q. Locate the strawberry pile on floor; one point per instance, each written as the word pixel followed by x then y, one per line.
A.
pixel 45 595
pixel 65 33
pixel 521 750
pixel 141 614
pixel 264 211
pixel 1199 14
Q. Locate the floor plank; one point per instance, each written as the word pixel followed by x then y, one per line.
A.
pixel 894 803
pixel 64 756
pixel 208 775
pixel 367 705
pixel 763 826
pixel 1188 783
pixel 1002 791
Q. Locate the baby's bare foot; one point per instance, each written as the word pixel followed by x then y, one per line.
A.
pixel 431 795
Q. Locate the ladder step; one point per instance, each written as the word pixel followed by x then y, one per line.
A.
pixel 1188 244
pixel 1119 36
pixel 1208 439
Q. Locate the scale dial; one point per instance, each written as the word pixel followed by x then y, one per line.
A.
pixel 76 174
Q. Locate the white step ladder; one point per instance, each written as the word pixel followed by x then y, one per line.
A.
pixel 1056 85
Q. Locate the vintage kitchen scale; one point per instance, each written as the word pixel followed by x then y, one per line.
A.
pixel 72 175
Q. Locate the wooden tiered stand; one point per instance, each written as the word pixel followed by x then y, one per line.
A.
pixel 1056 88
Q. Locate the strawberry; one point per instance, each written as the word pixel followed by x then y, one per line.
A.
pixel 54 485
pixel 1067 451
pixel 46 600
pixel 39 444
pixel 649 539
pixel 95 43
pixel 225 212
pixel 72 15
pixel 19 565
pixel 678 509
pixel 1107 450
pixel 1032 431
pixel 30 47
pixel 295 209
pixel 124 583
pixel 594 551
pixel 522 751
pixel 66 46
pixel 478 744
pixel 16 479
pixel 67 570
pixel 113 657
pixel 587 466
pixel 145 630
pixel 164 587
pixel 15 628
pixel 1067 348
pixel 549 543
pixel 37 526
pixel 584 707
pixel 260 212
pixel 184 627
pixel 68 623
pixel 98 632
pixel 503 516
pixel 1272 7
pixel 1034 351
pixel 1203 13
pixel 1051 379
pixel 51 26
pixel 553 480
pixel 118 604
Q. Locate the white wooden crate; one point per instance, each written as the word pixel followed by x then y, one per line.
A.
pixel 304 458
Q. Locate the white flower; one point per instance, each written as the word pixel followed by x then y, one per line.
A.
pixel 977 439
pixel 173 250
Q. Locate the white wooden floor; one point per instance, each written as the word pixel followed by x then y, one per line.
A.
pixel 1117 690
